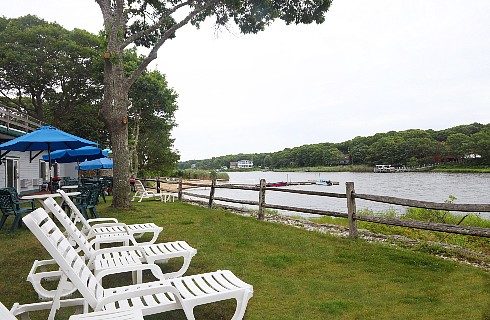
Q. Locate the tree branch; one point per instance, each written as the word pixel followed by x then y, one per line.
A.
pixel 105 8
pixel 119 14
pixel 154 27
pixel 153 53
pixel 17 104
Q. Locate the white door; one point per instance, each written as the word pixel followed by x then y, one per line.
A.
pixel 12 173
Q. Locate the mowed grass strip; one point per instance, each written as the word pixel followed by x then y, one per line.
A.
pixel 296 274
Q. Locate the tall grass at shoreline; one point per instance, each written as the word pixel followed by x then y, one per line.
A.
pixel 478 244
pixel 345 168
pixel 204 174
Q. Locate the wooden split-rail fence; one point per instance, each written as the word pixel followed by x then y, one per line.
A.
pixel 350 195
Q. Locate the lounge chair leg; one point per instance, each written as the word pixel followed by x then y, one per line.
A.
pixel 15 224
pixel 241 306
pixel 137 277
pixel 182 270
pixel 2 222
pixel 24 316
pixel 189 312
pixel 155 236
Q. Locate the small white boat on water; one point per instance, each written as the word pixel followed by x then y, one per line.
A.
pixel 323 182
pixel 389 168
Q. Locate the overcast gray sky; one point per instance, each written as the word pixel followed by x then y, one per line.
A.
pixel 373 66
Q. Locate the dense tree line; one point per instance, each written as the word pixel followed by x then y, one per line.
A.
pixel 410 147
pixel 56 76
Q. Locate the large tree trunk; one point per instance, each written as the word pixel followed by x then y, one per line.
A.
pixel 115 113
pixel 134 147
pixel 120 151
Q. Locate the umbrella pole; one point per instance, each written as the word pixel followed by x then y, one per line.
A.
pixel 49 166
pixel 78 172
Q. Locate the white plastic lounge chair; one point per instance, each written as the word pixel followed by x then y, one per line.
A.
pixel 127 314
pixel 5 314
pixel 142 193
pixel 123 314
pixel 95 228
pixel 151 297
pixel 109 260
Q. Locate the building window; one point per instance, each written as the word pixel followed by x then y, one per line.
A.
pixel 43 170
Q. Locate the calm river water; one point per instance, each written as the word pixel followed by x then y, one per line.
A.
pixel 436 187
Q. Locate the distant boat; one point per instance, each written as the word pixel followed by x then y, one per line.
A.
pixel 324 182
pixel 389 168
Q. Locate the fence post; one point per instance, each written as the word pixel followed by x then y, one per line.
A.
pixel 180 190
pixel 351 209
pixel 211 193
pixel 261 199
pixel 158 184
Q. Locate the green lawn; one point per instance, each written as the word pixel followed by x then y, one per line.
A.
pixel 296 274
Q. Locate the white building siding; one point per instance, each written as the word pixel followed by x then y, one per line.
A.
pixel 30 170
pixel 69 170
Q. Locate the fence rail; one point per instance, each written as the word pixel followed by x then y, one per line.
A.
pixel 351 214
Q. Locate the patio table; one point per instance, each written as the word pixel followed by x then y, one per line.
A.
pixel 42 197
pixel 70 187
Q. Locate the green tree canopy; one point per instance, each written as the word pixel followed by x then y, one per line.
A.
pixel 409 147
pixel 56 75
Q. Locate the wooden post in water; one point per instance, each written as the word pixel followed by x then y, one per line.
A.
pixel 261 199
pixel 158 184
pixel 351 209
pixel 211 193
pixel 180 190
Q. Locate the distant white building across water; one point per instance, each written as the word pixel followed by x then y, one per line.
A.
pixel 242 164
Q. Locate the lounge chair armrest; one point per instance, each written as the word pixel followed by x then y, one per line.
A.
pixel 155 289
pixel 98 220
pixel 38 277
pixel 153 268
pixel 46 275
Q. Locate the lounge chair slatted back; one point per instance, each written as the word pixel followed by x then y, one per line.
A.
pixel 135 230
pixel 72 229
pixel 67 258
pixel 138 185
pixel 76 215
pixel 142 193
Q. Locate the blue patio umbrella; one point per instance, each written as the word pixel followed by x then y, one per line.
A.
pixel 102 163
pixel 76 155
pixel 45 138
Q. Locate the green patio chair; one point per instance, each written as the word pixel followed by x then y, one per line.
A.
pixel 88 199
pixel 11 205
